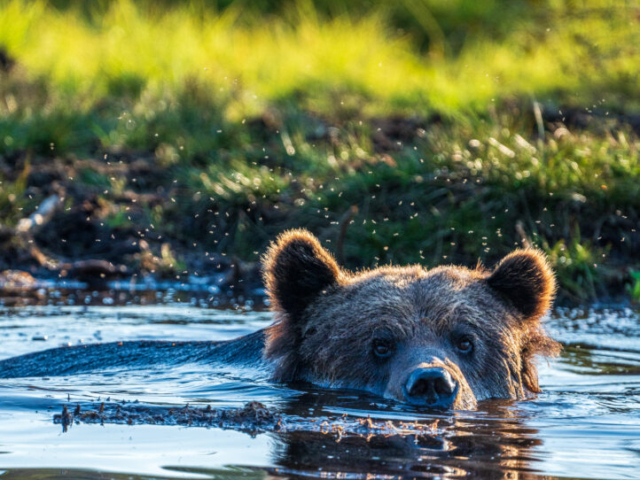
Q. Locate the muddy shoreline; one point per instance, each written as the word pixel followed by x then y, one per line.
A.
pixel 125 216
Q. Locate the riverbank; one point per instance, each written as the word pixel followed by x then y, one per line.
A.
pixel 164 144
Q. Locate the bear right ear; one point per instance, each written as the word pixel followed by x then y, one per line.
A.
pixel 296 270
pixel 526 280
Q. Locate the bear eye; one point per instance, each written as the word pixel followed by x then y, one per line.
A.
pixel 382 348
pixel 465 344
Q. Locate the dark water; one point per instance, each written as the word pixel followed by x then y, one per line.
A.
pixel 585 425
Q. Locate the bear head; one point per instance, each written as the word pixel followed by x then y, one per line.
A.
pixel 441 338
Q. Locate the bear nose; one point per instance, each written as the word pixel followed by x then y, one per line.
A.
pixel 431 387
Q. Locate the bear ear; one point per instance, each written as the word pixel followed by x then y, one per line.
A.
pixel 525 279
pixel 296 270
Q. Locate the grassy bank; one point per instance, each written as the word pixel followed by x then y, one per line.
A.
pixel 185 138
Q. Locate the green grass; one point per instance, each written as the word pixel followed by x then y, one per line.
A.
pixel 144 62
pixel 213 126
pixel 127 74
pixel 634 288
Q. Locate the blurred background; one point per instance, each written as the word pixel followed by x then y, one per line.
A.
pixel 176 139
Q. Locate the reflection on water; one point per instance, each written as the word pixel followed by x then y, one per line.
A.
pixel 585 425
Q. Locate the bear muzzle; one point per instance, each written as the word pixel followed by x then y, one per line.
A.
pixel 431 381
pixel 432 387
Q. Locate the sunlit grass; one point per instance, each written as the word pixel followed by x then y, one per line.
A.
pixel 134 75
pixel 250 125
pixel 583 53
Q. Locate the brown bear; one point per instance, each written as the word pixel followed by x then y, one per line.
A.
pixel 444 338
pixel 441 338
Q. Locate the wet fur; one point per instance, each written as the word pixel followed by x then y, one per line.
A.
pixel 326 319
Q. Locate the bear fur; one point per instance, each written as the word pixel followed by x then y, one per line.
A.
pixel 441 338
pixel 479 330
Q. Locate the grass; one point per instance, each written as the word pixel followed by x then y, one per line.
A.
pixel 208 130
pixel 634 288
pixel 150 60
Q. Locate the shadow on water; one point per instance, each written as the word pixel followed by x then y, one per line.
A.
pixel 585 425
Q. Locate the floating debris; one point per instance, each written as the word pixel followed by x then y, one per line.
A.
pixel 253 418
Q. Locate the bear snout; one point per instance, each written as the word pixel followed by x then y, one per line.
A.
pixel 432 387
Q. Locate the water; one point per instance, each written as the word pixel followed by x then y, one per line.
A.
pixel 586 424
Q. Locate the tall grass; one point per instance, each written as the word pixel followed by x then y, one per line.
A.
pixel 574 54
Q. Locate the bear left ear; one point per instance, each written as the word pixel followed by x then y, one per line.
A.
pixel 526 280
pixel 296 270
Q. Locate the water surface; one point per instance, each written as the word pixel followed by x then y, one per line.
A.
pixel 586 424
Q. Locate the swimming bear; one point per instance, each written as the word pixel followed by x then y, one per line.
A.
pixel 441 338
